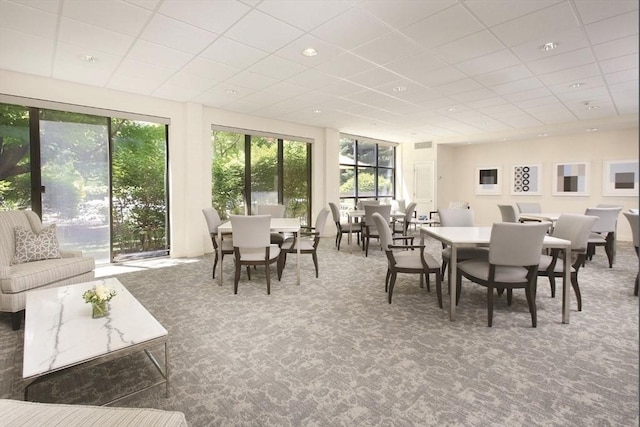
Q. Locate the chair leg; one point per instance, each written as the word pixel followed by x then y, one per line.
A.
pixel 267 268
pixel 509 296
pixel 366 246
pixel 489 306
pixel 458 285
pixel 249 272
pixel 444 269
pixel 16 319
pixel 236 279
pixel 421 280
pixel 608 248
pixel 552 284
pixel 576 289
pixel 314 256
pixel 426 276
pixel 531 301
pixel 386 281
pixel 215 263
pixel 439 288
pixel 635 290
pixel 339 239
pixel 392 283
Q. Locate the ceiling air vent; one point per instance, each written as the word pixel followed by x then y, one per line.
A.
pixel 421 145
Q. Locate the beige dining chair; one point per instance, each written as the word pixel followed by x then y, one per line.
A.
pixel 635 232
pixel 514 255
pixel 529 207
pixel 369 229
pixel 401 225
pixel 362 203
pixel 252 246
pixel 603 232
pixel 213 220
pixel 343 227
pixel 276 211
pixel 574 228
pixel 459 218
pixel 508 213
pixel 308 241
pixel 405 259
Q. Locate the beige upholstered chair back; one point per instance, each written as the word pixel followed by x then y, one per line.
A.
pixel 212 218
pixel 575 228
pixel 607 219
pixel 9 220
pixel 251 232
pixel 529 207
pixel 363 203
pixel 321 220
pixel 516 244
pixel 408 213
pixel 369 210
pixel 398 205
pixel 384 230
pixel 276 211
pixel 635 227
pixel 456 217
pixel 335 212
pixel 508 213
pixel 458 204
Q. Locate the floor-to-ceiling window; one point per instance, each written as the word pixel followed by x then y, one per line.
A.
pixel 101 180
pixel 367 171
pixel 248 170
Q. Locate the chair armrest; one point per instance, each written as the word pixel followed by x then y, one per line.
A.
pixel 405 238
pixel 71 254
pixel 406 246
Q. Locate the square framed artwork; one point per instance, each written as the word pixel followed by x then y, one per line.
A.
pixel 488 180
pixel 570 179
pixel 620 178
pixel 525 180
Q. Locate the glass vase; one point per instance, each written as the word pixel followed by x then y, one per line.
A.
pixel 99 309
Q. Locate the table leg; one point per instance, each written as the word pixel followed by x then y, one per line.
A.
pixel 220 258
pixel 453 274
pixel 566 286
pixel 350 220
pixel 296 236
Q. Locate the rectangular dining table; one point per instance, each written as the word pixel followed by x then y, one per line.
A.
pixel 465 237
pixel 544 216
pixel 359 214
pixel 278 225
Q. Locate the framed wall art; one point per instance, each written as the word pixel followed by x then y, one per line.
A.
pixel 525 180
pixel 488 181
pixel 620 178
pixel 570 179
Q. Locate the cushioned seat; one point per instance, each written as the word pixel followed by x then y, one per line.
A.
pixel 23 277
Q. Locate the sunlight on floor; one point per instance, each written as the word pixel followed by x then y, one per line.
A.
pixel 104 270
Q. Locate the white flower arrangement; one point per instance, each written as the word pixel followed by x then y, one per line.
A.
pixel 99 294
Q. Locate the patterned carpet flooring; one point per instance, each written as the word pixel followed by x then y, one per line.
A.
pixel 333 352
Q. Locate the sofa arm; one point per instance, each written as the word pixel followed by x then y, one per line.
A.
pixel 5 271
pixel 71 254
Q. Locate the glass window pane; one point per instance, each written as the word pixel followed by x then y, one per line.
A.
pixel 366 182
pixel 139 193
pixel 385 156
pixel 74 157
pixel 264 171
pixel 347 151
pixel 385 182
pixel 227 173
pixel 296 188
pixel 366 154
pixel 15 165
pixel 347 181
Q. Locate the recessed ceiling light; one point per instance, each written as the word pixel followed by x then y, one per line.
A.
pixel 89 58
pixel 592 107
pixel 231 91
pixel 309 52
pixel 399 88
pixel 549 46
pixel 576 85
pixel 317 111
pixel 543 135
pixel 591 129
pixel 451 109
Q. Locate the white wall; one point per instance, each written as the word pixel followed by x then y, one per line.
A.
pixel 457 166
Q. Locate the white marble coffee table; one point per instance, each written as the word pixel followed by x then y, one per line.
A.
pixel 60 332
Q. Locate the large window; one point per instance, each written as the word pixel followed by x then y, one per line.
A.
pixel 101 180
pixel 248 170
pixel 367 171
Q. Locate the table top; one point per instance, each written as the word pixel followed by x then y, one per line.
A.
pixel 360 213
pixel 60 332
pixel 479 236
pixel 280 225
pixel 543 216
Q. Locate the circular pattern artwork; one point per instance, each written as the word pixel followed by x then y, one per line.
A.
pixel 524 179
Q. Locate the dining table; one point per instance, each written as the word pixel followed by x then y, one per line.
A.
pixel 466 237
pixel 539 216
pixel 358 214
pixel 277 225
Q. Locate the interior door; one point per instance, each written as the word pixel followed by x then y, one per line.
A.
pixel 424 187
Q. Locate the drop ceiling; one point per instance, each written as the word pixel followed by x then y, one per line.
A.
pixel 449 71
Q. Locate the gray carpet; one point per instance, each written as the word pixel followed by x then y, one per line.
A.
pixel 333 352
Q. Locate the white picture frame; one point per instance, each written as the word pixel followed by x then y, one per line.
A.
pixel 488 180
pixel 526 180
pixel 620 178
pixel 570 179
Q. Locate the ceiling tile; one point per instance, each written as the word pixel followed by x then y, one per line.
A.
pixel 622 76
pixel 154 73
pixel 400 13
pixel 159 55
pixel 487 63
pixel 286 90
pixel 190 82
pixel 276 67
pixel 133 84
pixel 45 5
pixel 341 88
pixel 307 14
pixel 457 87
pixel 175 92
pixel 596 10
pixel 469 47
pixel 177 35
pixel 388 48
pixel 25 53
pixel 561 62
pixel 210 69
pixel 619 47
pixel 467 95
pixel 505 75
pixel 493 12
pixel 585 84
pixel 570 75
pixel 345 65
pixel 516 86
pixel 27 20
pixel 251 80
pixel 613 28
pixel 351 29
pixel 94 38
pixel 263 32
pixel 567 41
pixel 233 53
pixel 69 65
pixel 374 77
pixel 199 13
pixel 537 25
pixel 443 27
pixel 620 64
pixel 414 66
pixel 113 15
pixel 312 79
pixel 293 51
